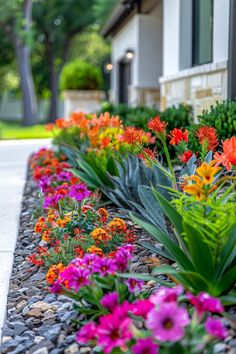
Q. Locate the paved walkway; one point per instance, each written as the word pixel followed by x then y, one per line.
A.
pixel 13 162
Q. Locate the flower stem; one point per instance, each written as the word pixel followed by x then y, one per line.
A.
pixel 169 163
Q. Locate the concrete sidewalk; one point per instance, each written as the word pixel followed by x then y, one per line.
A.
pixel 13 163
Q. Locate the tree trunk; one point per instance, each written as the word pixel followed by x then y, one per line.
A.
pixel 23 58
pixel 54 80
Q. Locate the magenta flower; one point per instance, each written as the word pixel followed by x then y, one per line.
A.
pixel 134 285
pixel 75 277
pixel 64 176
pixel 86 333
pixel 122 257
pixel 145 346
pixel 216 328
pixel 142 307
pixel 56 287
pixel 79 192
pixel 104 266
pixel 51 201
pixel 113 331
pixel 164 294
pixel 110 301
pixel 203 302
pixel 167 323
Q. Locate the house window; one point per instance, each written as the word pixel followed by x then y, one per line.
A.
pixel 202 31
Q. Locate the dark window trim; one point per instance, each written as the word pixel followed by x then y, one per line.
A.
pixel 193 36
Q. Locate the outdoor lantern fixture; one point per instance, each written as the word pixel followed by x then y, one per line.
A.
pixel 129 54
pixel 108 67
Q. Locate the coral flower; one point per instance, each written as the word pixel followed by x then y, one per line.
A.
pixel 148 153
pixel 167 323
pixel 157 125
pixel 177 136
pixel 186 156
pixel 53 272
pixel 216 328
pixel 207 172
pixel 228 157
pixel 207 137
pixel 145 346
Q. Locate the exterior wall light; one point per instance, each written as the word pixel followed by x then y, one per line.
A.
pixel 129 54
pixel 108 67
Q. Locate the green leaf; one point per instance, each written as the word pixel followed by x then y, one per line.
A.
pixel 228 299
pixel 169 245
pixel 112 167
pixel 228 281
pixel 199 251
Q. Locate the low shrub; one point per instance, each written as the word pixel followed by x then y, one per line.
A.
pixel 79 75
pixel 222 117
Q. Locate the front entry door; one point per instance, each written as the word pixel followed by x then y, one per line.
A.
pixel 124 80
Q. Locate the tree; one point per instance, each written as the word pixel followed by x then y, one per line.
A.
pixel 15 21
pixel 102 9
pixel 57 22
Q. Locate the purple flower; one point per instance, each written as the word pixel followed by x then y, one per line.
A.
pixel 122 257
pixel 110 301
pixel 134 285
pixel 164 294
pixel 145 346
pixel 51 201
pixel 75 277
pixel 167 323
pixel 79 192
pixel 86 333
pixel 216 328
pixel 64 176
pixel 104 266
pixel 203 302
pixel 56 287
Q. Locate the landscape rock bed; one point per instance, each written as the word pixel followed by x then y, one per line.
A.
pixel 37 321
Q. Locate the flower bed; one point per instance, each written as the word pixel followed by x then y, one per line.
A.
pixel 88 253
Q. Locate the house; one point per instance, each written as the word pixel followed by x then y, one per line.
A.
pixel 165 52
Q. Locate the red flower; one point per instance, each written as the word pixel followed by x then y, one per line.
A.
pixel 177 136
pixel 186 156
pixel 157 125
pixel 228 156
pixel 132 135
pixel 148 152
pixel 208 136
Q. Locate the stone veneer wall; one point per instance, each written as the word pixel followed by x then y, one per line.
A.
pixel 199 86
pixel 144 96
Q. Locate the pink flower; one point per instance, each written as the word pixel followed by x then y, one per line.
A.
pixel 122 257
pixel 167 323
pixel 79 192
pixel 134 285
pixel 86 333
pixel 216 328
pixel 203 302
pixel 164 294
pixel 104 266
pixel 75 277
pixel 142 307
pixel 113 331
pixel 110 301
pixel 145 346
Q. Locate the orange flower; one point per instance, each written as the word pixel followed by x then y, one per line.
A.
pixel 47 235
pixel 96 250
pixel 117 224
pixel 103 213
pixel 186 156
pixel 100 234
pixel 207 172
pixel 207 137
pixel 151 154
pixel 132 136
pixel 228 156
pixel 61 123
pixel 63 222
pixel 177 136
pixel 49 127
pixel 53 272
pixel 157 125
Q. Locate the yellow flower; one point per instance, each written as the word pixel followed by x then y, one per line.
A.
pixel 117 224
pixel 96 250
pixel 207 172
pixel 63 222
pixel 100 234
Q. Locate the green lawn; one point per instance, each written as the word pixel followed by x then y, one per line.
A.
pixel 16 131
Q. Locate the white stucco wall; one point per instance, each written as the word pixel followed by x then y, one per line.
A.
pixel 171 18
pixel 220 30
pixel 150 48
